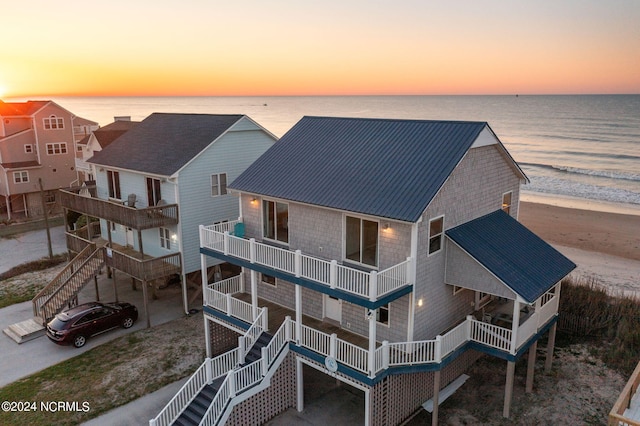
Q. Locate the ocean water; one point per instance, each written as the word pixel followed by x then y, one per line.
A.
pixel 579 147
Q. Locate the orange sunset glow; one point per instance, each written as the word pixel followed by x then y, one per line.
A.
pixel 333 47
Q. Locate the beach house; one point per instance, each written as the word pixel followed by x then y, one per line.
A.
pixel 37 156
pixel 384 253
pixel 154 184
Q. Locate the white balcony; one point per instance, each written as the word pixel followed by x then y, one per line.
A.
pixel 369 285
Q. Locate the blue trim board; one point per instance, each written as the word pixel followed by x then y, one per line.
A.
pixel 216 313
pixel 312 285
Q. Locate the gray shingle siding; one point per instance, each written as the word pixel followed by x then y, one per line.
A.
pixel 474 188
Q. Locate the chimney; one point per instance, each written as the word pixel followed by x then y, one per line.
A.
pixel 122 118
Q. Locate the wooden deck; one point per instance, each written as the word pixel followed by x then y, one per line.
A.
pixel 277 314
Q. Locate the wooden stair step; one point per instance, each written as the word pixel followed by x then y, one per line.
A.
pixel 26 330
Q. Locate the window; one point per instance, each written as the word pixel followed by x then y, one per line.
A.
pixel 165 238
pixel 28 148
pixel 268 279
pixel 56 148
pixel 52 122
pixel 218 184
pixel 435 234
pixel 50 197
pixel 506 202
pixel 113 180
pixel 153 191
pixel 382 314
pixel 21 177
pixel 361 241
pixel 79 148
pixel 275 217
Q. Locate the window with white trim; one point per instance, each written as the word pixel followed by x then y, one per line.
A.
pixel 113 182
pixel 268 279
pixel 436 226
pixel 56 148
pixel 53 123
pixel 218 184
pixel 382 314
pixel 28 148
pixel 165 238
pixel 50 197
pixel 275 221
pixel 21 177
pixel 361 240
pixel 506 202
pixel 153 191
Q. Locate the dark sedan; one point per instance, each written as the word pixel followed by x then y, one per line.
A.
pixel 75 325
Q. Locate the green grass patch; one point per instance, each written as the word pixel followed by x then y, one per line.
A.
pixel 36 265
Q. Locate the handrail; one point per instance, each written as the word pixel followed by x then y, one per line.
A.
pixel 616 415
pixel 371 285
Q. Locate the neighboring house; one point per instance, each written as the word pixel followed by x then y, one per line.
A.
pixel 155 184
pixel 37 145
pixel 389 256
pixel 96 141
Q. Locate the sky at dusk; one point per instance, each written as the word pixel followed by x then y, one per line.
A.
pixel 329 47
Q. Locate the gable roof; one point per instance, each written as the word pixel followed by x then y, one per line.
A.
pixel 9 109
pixel 382 167
pixel 107 134
pixel 515 255
pixel 163 143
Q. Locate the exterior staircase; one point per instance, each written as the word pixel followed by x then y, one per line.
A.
pixel 66 285
pixel 196 410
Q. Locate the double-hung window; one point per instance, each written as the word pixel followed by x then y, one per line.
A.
pixel 21 177
pixel 165 238
pixel 275 220
pixel 382 314
pixel 218 184
pixel 361 241
pixel 56 148
pixel 113 182
pixel 436 226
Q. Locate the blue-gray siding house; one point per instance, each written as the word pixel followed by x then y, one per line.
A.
pixel 396 247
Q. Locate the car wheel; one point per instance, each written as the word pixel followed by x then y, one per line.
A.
pixel 127 322
pixel 79 341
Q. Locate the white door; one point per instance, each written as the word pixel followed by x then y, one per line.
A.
pixel 333 308
pixel 129 234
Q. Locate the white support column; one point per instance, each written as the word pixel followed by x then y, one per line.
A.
pixel 368 407
pixel 203 276
pixel 514 326
pixel 299 386
pixel 298 313
pixel 207 337
pixel 372 342
pixel 410 319
pixel 254 295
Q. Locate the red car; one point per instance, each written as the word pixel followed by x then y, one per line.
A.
pixel 77 324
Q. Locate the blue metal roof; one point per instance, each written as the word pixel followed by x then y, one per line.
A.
pixel 381 167
pixel 514 254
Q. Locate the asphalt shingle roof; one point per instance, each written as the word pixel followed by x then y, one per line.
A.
pixel 514 254
pixel 163 143
pixel 382 167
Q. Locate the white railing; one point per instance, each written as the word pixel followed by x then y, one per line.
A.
pixel 548 310
pixel 410 353
pixel 352 355
pixel 253 333
pixel 490 335
pixel 371 285
pixel 230 285
pixel 315 340
pixel 219 403
pixel 455 337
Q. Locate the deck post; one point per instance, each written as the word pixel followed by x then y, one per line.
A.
pixel 550 346
pixel 333 273
pixel 254 295
pixel 531 363
pixel 514 327
pixel 298 314
pixel 436 397
pixel 372 342
pixel 207 336
pixel 115 285
pixel 146 303
pixel 508 388
pixel 204 277
pixel 300 386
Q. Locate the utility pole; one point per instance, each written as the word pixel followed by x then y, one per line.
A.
pixel 46 218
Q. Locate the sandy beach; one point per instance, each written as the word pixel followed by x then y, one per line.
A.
pixel 604 245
